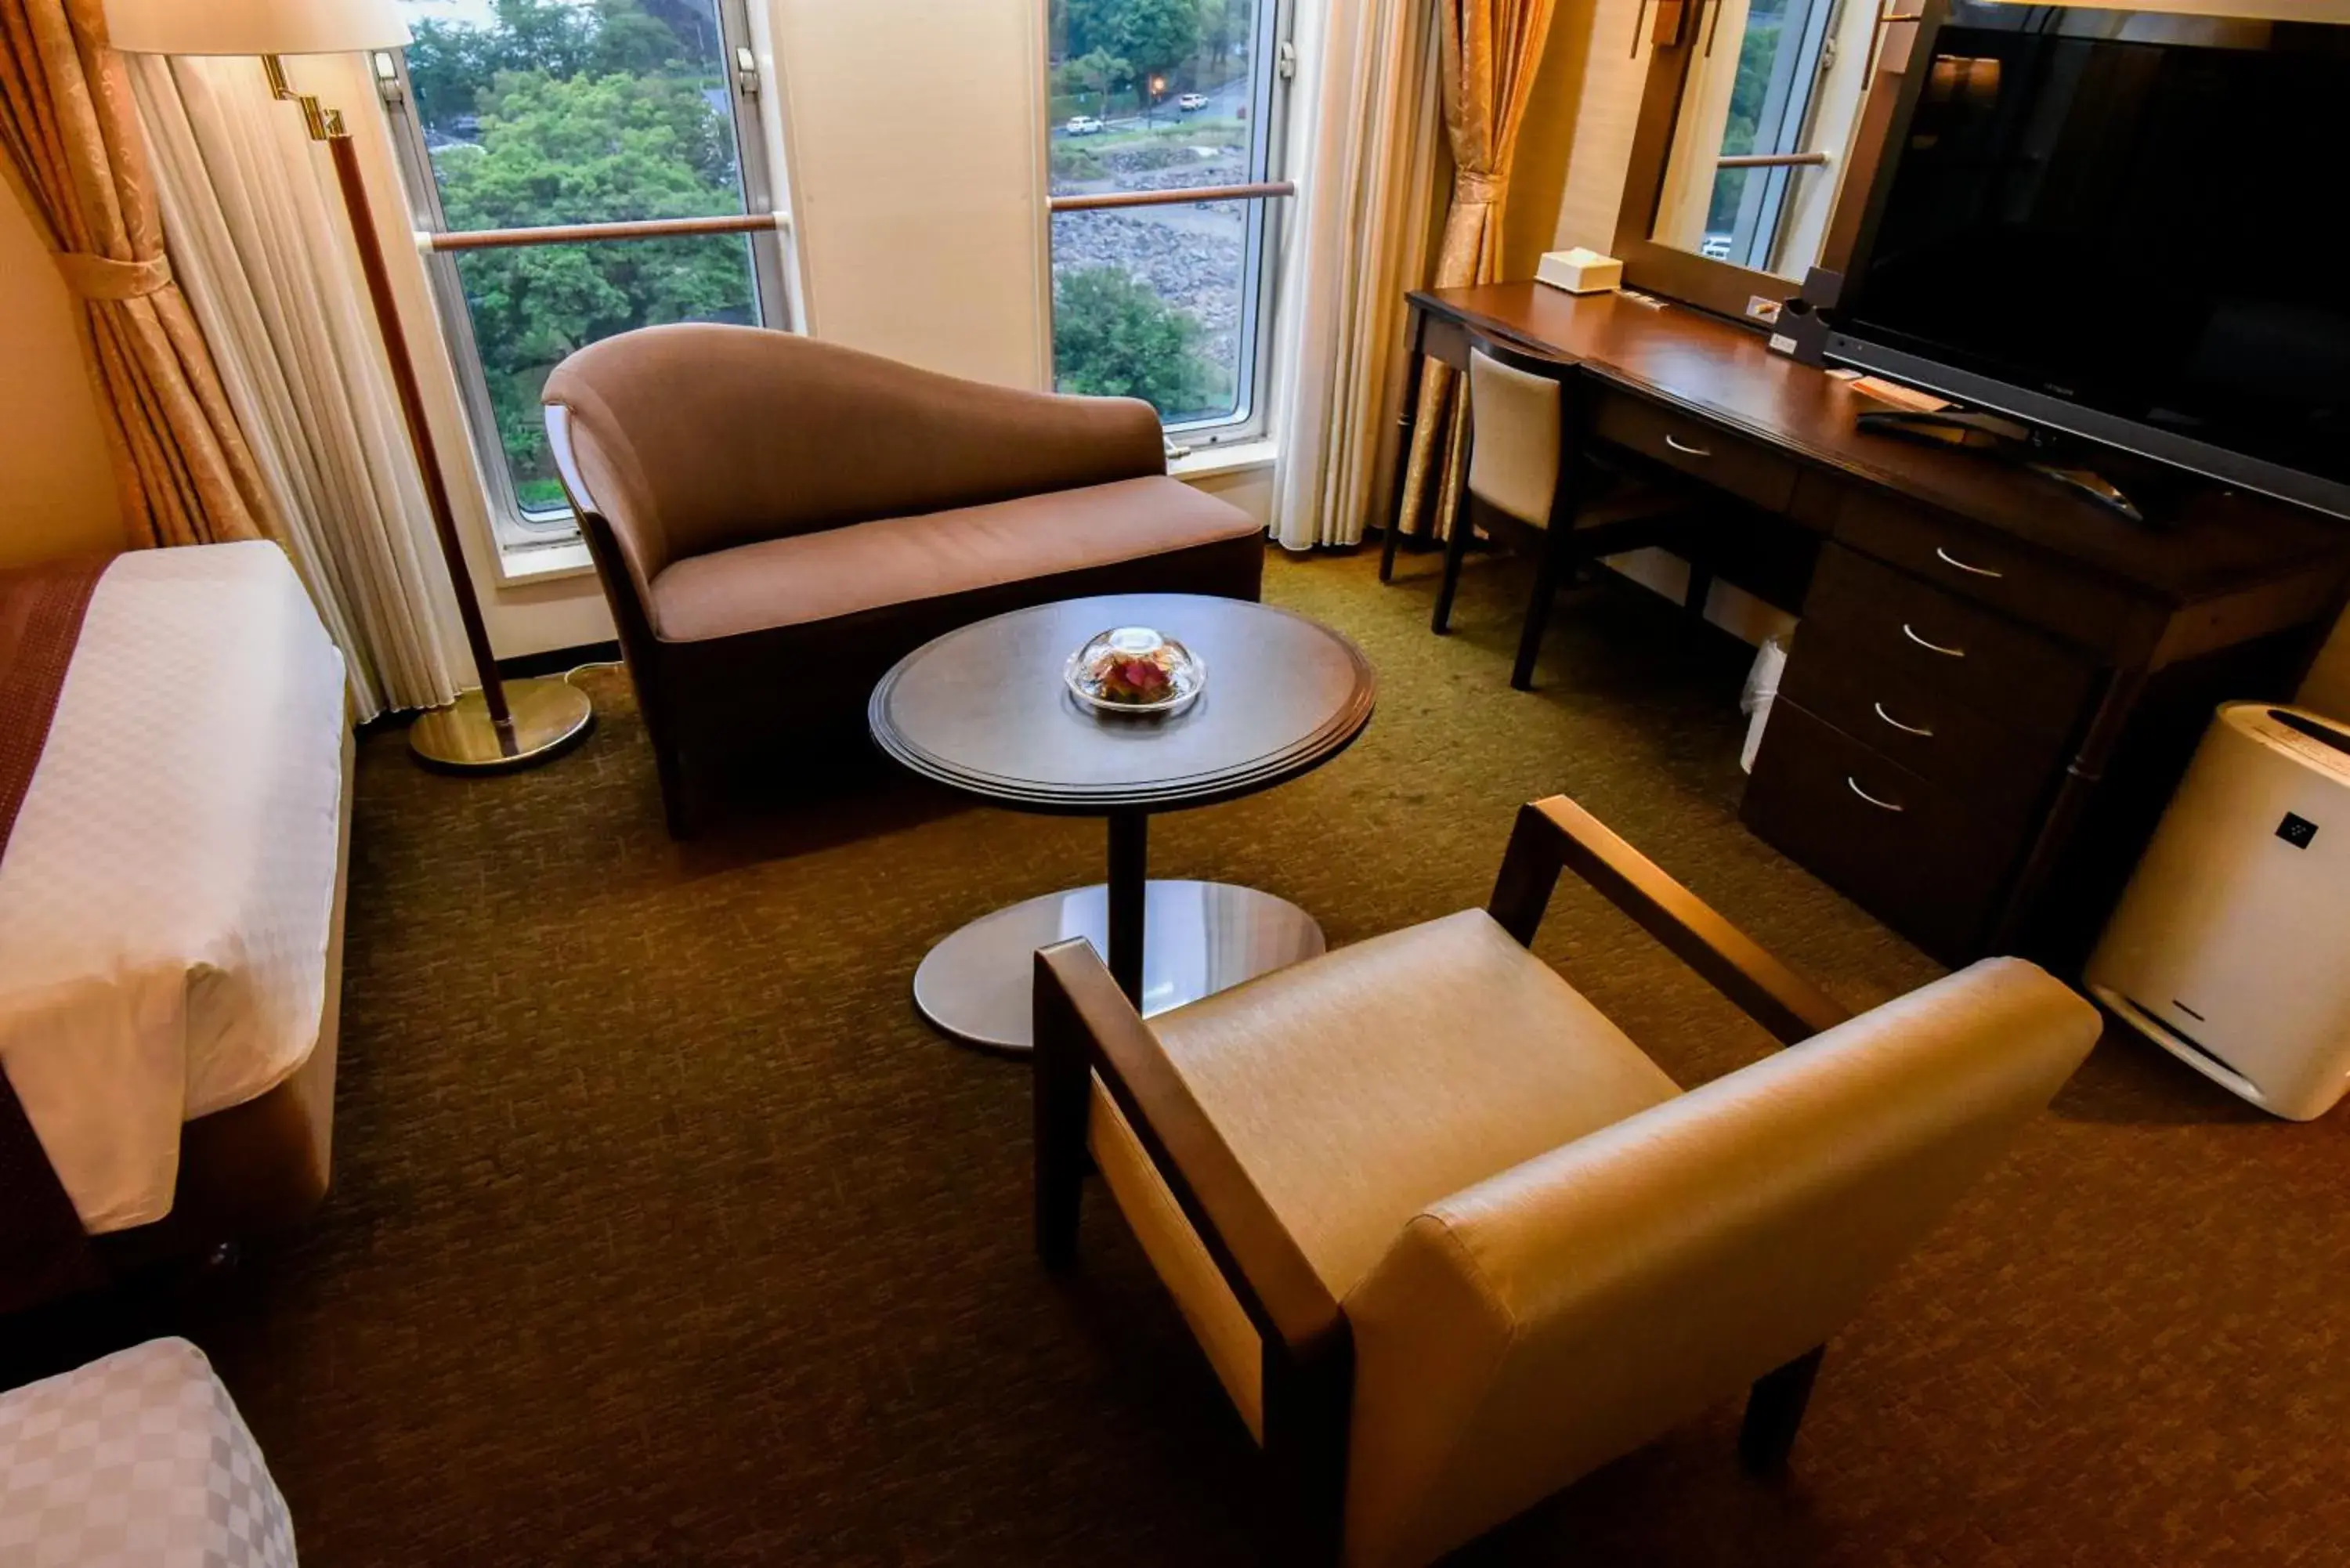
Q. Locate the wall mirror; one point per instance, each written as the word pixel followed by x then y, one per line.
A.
pixel 1755 118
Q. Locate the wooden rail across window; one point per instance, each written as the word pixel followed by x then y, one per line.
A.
pixel 1770 160
pixel 1187 197
pixel 577 234
pixel 765 222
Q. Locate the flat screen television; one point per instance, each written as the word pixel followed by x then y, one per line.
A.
pixel 2131 226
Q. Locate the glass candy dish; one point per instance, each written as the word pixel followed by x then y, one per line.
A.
pixel 1134 670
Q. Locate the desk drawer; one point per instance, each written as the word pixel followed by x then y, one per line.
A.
pixel 1936 639
pixel 1740 466
pixel 1981 566
pixel 1903 850
pixel 1999 773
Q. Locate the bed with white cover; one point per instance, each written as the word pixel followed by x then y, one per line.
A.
pixel 171 898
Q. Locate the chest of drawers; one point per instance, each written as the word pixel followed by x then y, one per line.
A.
pixel 1952 702
pixel 1919 737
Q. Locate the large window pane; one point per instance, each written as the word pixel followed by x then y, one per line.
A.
pixel 1153 303
pixel 1159 303
pixel 535 112
pixel 1780 61
pixel 533 307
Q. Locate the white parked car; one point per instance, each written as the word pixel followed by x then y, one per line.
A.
pixel 1191 100
pixel 1084 125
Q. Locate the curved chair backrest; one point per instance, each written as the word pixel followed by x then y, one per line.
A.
pixel 1562 1312
pixel 1517 408
pixel 698 437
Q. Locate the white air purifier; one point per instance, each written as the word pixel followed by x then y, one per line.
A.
pixel 2231 948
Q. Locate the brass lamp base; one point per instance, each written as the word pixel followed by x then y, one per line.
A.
pixel 550 717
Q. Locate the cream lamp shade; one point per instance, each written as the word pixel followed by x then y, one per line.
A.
pixel 255 27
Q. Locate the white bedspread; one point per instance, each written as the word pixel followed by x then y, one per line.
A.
pixel 166 895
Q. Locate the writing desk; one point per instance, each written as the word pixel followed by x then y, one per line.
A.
pixel 1997 683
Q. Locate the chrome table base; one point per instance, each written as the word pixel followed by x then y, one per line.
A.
pixel 1199 938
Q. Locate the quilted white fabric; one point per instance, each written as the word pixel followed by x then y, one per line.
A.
pixel 165 898
pixel 138 1460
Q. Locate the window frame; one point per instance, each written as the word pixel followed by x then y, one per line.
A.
pixel 1274 69
pixel 516 533
pixel 1781 128
pixel 1667 29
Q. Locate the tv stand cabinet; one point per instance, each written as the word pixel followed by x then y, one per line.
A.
pixel 1996 682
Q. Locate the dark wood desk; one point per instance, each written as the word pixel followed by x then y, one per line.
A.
pixel 1997 683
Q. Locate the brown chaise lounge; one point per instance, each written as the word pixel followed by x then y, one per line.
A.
pixel 777 521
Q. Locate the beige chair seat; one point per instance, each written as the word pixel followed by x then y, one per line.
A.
pixel 1411 1067
pixel 806 578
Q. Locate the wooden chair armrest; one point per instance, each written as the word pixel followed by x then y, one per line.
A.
pixel 1556 834
pixel 1085 1025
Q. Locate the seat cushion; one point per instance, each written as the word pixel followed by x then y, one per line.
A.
pixel 838 572
pixel 1361 1088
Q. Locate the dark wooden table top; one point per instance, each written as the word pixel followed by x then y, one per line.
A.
pixel 2217 539
pixel 984 709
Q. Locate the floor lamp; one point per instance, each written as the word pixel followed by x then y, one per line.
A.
pixel 505 724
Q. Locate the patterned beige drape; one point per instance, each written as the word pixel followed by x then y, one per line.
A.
pixel 71 132
pixel 1491 49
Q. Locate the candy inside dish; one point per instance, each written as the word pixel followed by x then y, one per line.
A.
pixel 1136 670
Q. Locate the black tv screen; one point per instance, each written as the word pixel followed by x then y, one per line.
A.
pixel 2098 217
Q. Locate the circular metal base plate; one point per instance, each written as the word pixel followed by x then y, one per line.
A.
pixel 1199 938
pixel 551 716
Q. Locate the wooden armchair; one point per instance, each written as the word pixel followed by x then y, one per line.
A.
pixel 1451 1241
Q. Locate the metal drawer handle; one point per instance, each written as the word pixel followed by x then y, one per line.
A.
pixel 1879 804
pixel 1950 560
pixel 1684 448
pixel 1911 633
pixel 1923 734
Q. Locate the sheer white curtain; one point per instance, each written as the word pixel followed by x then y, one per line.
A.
pixel 1369 197
pixel 260 244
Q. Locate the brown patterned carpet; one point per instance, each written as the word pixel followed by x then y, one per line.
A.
pixel 664 1232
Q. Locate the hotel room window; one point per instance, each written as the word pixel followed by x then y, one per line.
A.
pixel 1165 125
pixel 529 117
pixel 1785 55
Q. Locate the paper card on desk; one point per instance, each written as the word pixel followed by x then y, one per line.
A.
pixel 1900 397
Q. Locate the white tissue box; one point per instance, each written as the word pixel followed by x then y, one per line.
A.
pixel 1580 271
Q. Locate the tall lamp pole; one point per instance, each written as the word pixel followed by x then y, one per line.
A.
pixel 503 724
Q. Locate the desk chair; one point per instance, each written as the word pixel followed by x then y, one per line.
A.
pixel 1450 1240
pixel 1531 486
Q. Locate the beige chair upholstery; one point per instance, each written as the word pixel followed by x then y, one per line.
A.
pixel 1532 1326
pixel 1403 1028
pixel 1517 418
pixel 1543 1252
pixel 777 520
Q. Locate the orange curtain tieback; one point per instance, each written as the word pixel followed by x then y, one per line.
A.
pixel 96 278
pixel 1473 187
